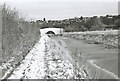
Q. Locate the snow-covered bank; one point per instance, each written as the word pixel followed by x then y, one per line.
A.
pixel 47 60
pixel 33 65
pixel 58 62
pixel 109 38
pixel 107 32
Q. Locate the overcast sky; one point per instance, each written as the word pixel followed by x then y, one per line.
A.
pixel 62 9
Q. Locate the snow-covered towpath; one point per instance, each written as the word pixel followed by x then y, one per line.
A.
pixel 47 60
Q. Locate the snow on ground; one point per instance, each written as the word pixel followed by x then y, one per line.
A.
pixel 7 66
pixel 58 66
pixel 109 37
pixel 106 32
pixel 33 65
pixel 47 60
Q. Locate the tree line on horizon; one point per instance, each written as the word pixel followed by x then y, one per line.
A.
pixel 83 23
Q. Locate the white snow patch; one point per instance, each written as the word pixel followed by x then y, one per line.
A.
pixel 33 65
pixel 106 32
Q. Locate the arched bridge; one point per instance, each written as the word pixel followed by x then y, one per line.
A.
pixel 55 31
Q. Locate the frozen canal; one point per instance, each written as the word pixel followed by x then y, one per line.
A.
pixel 96 60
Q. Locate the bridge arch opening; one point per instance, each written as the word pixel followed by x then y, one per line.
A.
pixel 50 32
